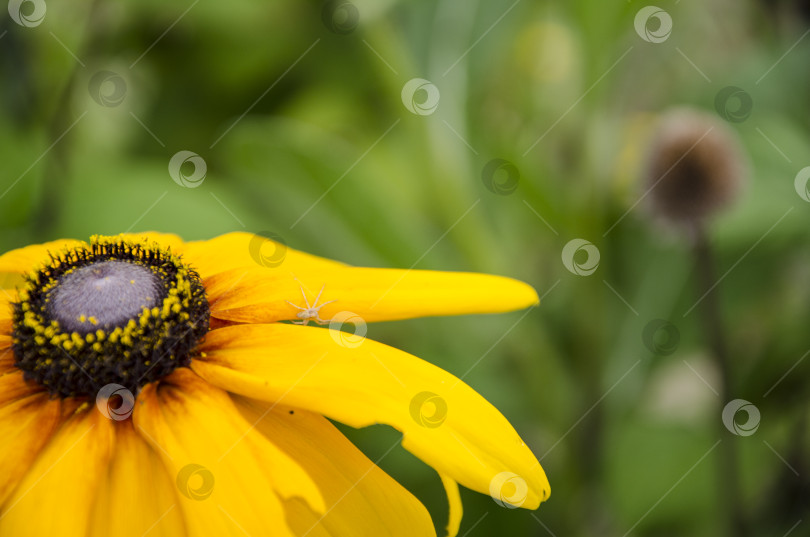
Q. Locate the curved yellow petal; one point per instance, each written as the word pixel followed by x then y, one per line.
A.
pixel 6 299
pixel 248 250
pixel 10 280
pixel 254 296
pixel 303 520
pixel 55 496
pixel 12 384
pixel 454 503
pixel 226 471
pixel 137 496
pixel 444 422
pixel 361 499
pixel 25 426
pixel 26 259
pixel 6 361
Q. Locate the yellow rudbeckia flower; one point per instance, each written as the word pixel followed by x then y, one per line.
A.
pixel 147 386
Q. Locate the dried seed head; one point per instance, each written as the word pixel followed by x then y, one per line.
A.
pixel 695 167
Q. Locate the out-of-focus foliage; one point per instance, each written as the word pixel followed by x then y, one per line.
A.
pixel 304 134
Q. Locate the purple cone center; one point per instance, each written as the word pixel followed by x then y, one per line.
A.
pixel 104 294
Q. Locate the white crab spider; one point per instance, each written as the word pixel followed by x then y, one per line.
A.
pixel 310 313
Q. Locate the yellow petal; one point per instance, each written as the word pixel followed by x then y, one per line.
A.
pixel 25 426
pixel 454 502
pixel 6 299
pixel 12 384
pixel 444 422
pixel 55 496
pixel 6 360
pixel 10 280
pixel 137 496
pixel 226 471
pixel 255 296
pixel 248 250
pixel 360 498
pixel 26 259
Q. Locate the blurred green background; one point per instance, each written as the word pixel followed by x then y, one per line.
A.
pixel 297 110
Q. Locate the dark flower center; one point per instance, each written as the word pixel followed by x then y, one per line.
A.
pixel 116 313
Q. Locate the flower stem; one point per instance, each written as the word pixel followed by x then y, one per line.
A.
pixel 728 489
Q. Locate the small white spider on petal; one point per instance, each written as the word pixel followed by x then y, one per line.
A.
pixel 311 312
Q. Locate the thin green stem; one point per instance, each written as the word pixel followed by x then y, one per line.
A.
pixel 730 499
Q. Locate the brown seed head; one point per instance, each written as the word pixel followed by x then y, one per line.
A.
pixel 695 167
